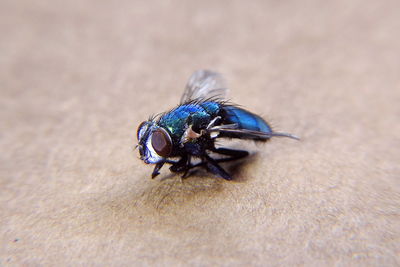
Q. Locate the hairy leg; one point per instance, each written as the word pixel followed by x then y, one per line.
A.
pixel 233 153
pixel 210 163
pixel 159 166
pixel 213 166
pixel 181 165
pixel 156 169
pixel 184 165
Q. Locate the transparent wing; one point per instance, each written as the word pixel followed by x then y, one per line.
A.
pixel 233 130
pixel 204 84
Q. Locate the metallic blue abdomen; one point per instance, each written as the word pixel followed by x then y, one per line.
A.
pixel 245 119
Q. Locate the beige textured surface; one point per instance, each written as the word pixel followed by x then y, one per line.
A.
pixel 77 77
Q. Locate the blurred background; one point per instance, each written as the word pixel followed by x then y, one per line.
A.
pixel 77 77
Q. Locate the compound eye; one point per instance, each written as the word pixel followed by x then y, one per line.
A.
pixel 161 142
pixel 139 132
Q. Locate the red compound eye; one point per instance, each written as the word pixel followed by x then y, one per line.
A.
pixel 161 142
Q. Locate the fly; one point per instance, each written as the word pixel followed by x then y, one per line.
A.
pixel 191 129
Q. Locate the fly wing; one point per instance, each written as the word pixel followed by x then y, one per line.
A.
pixel 234 131
pixel 204 84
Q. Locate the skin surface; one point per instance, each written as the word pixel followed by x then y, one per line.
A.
pixel 77 78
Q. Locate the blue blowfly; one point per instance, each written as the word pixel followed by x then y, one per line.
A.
pixel 191 129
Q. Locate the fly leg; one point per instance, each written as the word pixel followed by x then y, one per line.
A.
pixel 212 166
pixel 187 168
pixel 183 165
pixel 159 166
pixel 156 169
pixel 234 154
